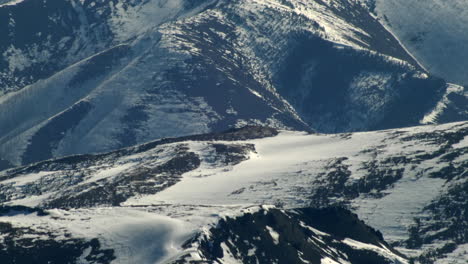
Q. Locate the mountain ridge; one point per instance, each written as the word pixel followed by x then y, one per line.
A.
pixel 207 66
pixel 231 131
pixel 398 181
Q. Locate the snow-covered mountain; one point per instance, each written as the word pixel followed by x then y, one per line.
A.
pixel 272 235
pixel 151 85
pixel 171 194
pixel 58 34
pixel 92 76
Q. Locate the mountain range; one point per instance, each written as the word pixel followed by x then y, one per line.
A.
pixel 90 76
pixel 233 131
pixel 193 191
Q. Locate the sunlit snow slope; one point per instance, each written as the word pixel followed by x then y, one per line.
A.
pixel 408 183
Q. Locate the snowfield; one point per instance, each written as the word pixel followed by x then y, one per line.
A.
pixel 389 178
pixel 137 236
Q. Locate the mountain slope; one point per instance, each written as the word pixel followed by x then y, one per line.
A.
pixel 112 76
pixel 331 235
pixel 141 236
pixel 433 30
pixel 84 76
pixel 60 33
pixel 452 107
pixel 408 183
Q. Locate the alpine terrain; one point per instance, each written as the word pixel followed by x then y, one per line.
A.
pixel 233 131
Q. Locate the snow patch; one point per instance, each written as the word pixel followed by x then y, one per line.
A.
pixel 137 236
pixel 327 260
pixel 431 117
pixel 274 235
pixel 27 178
pixel 9 2
pixel 379 250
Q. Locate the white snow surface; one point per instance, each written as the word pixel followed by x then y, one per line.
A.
pixel 274 161
pixel 274 235
pixel 278 171
pixel 28 178
pixel 328 260
pixel 380 250
pixel 129 231
pixel 267 165
pixel 284 164
pixel 9 2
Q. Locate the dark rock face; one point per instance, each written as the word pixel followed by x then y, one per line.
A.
pixel 292 236
pixel 18 209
